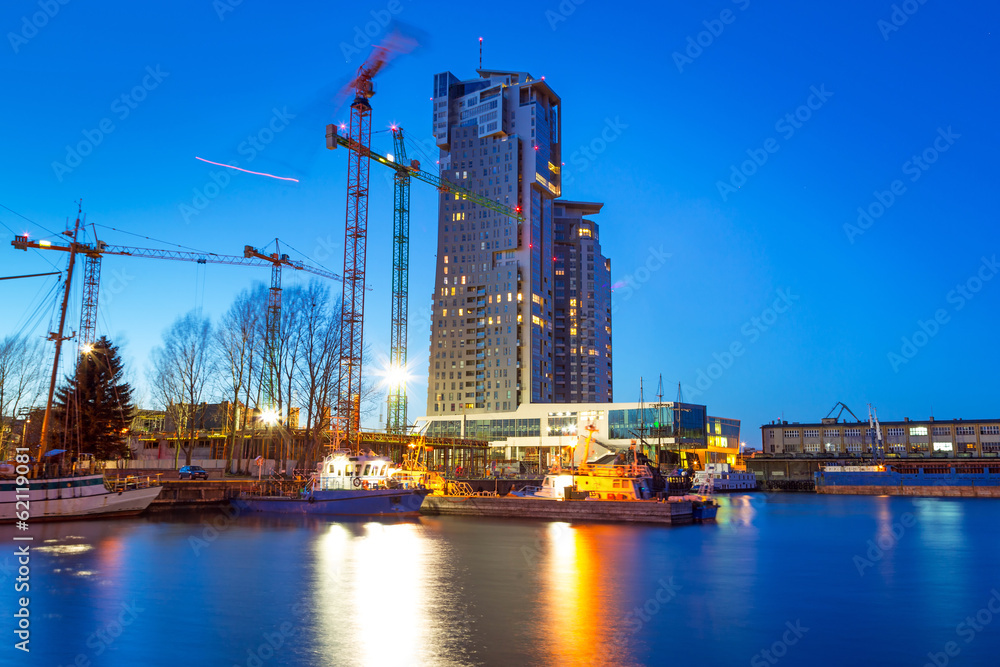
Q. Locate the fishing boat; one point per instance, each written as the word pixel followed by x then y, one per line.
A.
pixel 57 490
pixel 344 484
pixel 65 497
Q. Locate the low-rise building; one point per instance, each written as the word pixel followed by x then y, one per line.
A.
pixel 672 434
pixel 931 437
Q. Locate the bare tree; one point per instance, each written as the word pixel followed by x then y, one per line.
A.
pixel 317 376
pixel 22 379
pixel 181 372
pixel 236 342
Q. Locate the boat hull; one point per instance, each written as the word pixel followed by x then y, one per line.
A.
pixel 891 483
pixel 619 511
pixel 74 498
pixel 343 502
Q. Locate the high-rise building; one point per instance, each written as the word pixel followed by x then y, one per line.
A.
pixel 492 329
pixel 581 307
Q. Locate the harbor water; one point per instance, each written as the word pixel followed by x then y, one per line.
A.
pixel 790 579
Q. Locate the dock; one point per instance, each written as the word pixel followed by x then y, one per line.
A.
pixel 561 510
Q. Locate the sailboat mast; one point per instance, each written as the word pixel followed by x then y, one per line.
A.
pixel 57 337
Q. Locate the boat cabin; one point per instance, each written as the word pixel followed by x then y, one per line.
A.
pixel 343 470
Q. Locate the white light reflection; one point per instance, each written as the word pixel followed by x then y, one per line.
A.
pixel 372 598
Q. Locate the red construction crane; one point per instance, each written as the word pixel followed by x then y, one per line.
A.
pixel 348 408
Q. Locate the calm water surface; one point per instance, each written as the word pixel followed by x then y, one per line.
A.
pixel 811 580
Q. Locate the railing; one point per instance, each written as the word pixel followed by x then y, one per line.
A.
pixel 131 482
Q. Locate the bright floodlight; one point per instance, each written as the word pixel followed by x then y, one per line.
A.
pixel 87 348
pixel 395 376
pixel 269 416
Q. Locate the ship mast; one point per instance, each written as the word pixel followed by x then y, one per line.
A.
pixel 58 337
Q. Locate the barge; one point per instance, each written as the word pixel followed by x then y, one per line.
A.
pixel 925 478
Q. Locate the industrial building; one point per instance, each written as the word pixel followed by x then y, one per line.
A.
pixel 507 291
pixel 672 434
pixel 930 437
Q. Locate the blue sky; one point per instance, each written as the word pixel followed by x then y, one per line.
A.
pixel 812 110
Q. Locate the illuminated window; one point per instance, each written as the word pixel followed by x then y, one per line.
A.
pixel 572 332
pixel 584 231
pixel 918 430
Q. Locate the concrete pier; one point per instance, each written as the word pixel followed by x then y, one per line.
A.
pixel 563 510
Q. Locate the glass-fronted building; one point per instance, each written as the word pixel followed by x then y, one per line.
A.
pixel 669 433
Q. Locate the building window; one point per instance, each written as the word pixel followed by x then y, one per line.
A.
pixel 897 432
pixel 918 430
pixel 965 430
pixel 792 434
pixel 989 430
pixel 852 432
pixel 811 433
pixel 942 430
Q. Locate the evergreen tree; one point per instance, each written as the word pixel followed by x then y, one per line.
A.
pixel 94 409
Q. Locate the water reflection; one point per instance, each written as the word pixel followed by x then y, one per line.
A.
pixel 374 597
pixel 582 572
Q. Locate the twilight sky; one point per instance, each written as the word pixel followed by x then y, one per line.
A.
pixel 796 194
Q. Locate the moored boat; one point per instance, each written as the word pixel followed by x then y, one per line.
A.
pixel 346 484
pixel 74 497
pixel 721 478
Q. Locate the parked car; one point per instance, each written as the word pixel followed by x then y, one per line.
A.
pixel 193 472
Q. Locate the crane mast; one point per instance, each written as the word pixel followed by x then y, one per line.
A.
pixel 396 421
pixel 348 408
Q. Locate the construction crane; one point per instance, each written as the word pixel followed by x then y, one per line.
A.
pixel 358 141
pixel 92 276
pixel 396 421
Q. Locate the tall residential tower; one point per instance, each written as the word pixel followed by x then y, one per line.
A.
pixel 493 344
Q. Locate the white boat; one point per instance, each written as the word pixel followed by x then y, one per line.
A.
pixel 74 497
pixel 346 484
pixel 720 478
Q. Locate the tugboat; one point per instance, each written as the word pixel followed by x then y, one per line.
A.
pixel 346 484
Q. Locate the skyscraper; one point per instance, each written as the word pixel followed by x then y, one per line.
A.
pixel 581 306
pixel 492 329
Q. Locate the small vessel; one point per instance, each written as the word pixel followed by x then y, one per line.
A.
pixel 64 497
pixel 345 484
pixel 703 508
pixel 721 478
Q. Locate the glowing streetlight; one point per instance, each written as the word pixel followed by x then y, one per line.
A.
pixel 269 416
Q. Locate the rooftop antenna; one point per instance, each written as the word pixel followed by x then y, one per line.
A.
pixel 480 53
